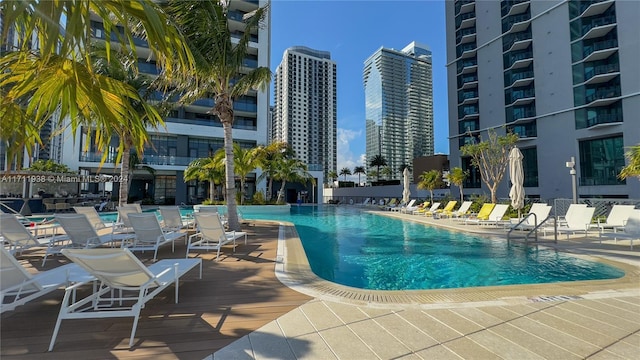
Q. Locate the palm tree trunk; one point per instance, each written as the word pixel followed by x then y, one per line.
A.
pixel 241 191
pixel 212 190
pixel 123 194
pixel 280 199
pixel 269 187
pixel 224 109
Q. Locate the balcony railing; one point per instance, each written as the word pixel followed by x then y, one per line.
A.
pixel 462 17
pixel 512 58
pixel 600 21
pixel 600 45
pixel 600 119
pixel 508 22
pixel 603 93
pixel 600 69
pixel 507 5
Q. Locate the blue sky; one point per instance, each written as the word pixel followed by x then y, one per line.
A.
pixel 352 31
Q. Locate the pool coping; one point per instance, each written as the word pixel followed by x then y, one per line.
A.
pixel 293 270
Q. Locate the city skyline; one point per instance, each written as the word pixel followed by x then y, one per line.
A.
pixel 351 31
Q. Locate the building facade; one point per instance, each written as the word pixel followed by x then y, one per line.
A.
pixel 562 75
pixel 305 111
pixel 399 106
pixel 189 133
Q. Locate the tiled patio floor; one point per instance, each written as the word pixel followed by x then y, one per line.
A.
pixel 578 320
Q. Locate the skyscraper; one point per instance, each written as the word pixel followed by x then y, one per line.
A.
pixel 562 75
pixel 305 114
pixel 399 105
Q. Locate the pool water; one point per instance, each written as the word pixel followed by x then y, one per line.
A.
pixel 350 247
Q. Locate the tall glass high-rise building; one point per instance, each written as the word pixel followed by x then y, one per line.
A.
pixel 399 105
pixel 562 75
pixel 305 114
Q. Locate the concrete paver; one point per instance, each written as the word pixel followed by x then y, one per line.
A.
pixel 595 320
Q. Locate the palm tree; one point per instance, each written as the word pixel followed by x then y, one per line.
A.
pixel 633 168
pixel 245 162
pixel 457 177
pixel 209 169
pixel 345 171
pixel 220 73
pixel 126 72
pixel 378 161
pixel 292 170
pixel 332 175
pixel 359 170
pixel 57 82
pixel 430 180
pixel 387 172
pixel 373 174
pixel 268 156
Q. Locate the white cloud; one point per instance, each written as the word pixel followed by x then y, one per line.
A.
pixel 346 157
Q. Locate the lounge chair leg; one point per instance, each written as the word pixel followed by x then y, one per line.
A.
pixel 133 329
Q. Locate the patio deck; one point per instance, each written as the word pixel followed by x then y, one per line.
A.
pixel 235 296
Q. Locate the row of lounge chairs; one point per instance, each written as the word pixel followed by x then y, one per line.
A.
pixel 116 276
pixel 619 224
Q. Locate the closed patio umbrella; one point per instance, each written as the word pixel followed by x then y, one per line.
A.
pixel 405 192
pixel 516 175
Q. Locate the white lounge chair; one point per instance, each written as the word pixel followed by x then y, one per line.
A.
pixel 538 214
pixel 210 234
pixel 617 217
pixel 495 217
pixel 448 209
pixel 172 219
pixel 366 202
pixel 18 286
pixel 123 281
pixel 149 235
pixel 578 221
pixel 572 213
pixel 433 209
pixel 19 238
pixel 631 230
pixel 462 210
pixel 93 216
pixel 404 208
pixel 123 225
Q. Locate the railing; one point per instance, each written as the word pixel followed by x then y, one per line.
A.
pixel 599 45
pixel 601 21
pixel 600 69
pixel 511 20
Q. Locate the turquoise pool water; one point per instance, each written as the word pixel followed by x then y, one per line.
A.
pixel 349 247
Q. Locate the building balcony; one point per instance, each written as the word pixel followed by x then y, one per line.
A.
pixel 598 27
pixel 470 85
pixel 464 8
pixel 602 93
pixel 519 64
pixel 513 7
pixel 604 120
pixel 593 8
pixel 471 38
pixel 519 45
pixel 469 101
pixel 467 66
pixel 599 50
pixel 468 21
pixel 516 23
pixel 601 74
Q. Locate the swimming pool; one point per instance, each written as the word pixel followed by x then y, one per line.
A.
pixel 354 248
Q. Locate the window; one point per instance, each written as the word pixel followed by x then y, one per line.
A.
pixel 530 166
pixel 601 160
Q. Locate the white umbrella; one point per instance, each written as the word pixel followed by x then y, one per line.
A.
pixel 516 174
pixel 405 192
